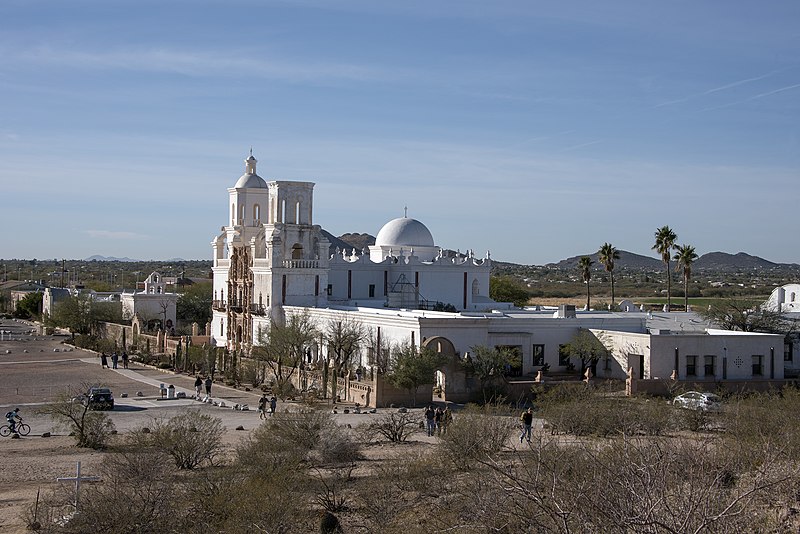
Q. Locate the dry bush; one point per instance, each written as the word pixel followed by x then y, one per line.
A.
pixel 230 500
pixel 336 446
pixel 293 437
pixel 91 429
pixel 138 493
pixel 476 434
pixel 191 438
pixel 581 411
pixel 394 426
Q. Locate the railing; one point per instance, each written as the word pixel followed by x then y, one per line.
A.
pixel 219 305
pixel 301 264
pixel 258 309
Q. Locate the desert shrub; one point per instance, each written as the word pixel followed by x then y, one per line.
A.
pixel 234 500
pixel 289 438
pixel 263 452
pixel 477 433
pixel 394 426
pixel 759 422
pixel 139 493
pixel 336 445
pixel 694 420
pixel 190 438
pixel 581 411
pixel 91 429
pixel 301 429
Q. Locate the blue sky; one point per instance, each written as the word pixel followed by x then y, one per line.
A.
pixel 535 130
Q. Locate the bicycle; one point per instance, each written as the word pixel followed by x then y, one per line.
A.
pixel 23 429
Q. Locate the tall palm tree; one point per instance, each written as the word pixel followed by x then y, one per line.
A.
pixel 585 267
pixel 606 255
pixel 684 257
pixel 665 240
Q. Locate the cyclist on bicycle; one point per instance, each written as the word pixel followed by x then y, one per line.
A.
pixel 12 417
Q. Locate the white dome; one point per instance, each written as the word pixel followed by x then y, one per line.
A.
pixel 250 181
pixel 404 232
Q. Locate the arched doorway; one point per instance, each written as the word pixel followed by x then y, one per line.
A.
pixel 450 378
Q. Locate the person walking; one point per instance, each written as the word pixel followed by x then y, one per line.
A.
pixel 262 406
pixel 527 423
pixel 273 402
pixel 103 361
pixel 208 386
pixel 124 360
pixel 430 420
pixel 114 359
pixel 437 419
pixel 198 387
pixel 447 418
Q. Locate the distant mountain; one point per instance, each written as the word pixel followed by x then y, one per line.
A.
pixel 627 260
pixel 713 261
pixel 349 242
pixel 110 258
pixel 358 241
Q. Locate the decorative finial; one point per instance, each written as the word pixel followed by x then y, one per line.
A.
pixel 405 212
pixel 251 151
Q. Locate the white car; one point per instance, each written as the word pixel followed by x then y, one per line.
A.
pixel 697 400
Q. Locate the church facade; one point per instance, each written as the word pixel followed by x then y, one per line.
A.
pixel 270 255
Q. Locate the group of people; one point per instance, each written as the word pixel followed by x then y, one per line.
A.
pixel 437 420
pixel 114 360
pixel 198 386
pixel 263 402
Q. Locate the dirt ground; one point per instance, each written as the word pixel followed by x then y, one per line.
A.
pixel 32 373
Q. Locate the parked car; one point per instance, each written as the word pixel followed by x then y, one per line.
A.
pixel 698 400
pixel 97 398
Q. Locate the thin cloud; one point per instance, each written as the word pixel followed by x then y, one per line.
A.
pixel 750 99
pixel 730 85
pixel 207 63
pixel 582 145
pixel 109 234
pixel 746 80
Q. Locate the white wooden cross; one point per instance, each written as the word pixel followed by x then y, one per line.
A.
pixel 77 479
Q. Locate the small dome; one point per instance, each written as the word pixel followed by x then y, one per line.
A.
pixel 250 181
pixel 404 232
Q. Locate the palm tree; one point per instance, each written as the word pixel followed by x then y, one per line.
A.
pixel 606 255
pixel 585 267
pixel 684 257
pixel 665 240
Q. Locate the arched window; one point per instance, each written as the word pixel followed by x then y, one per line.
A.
pixel 256 213
pixel 297 251
pixel 297 213
pixel 476 288
pixel 791 297
pixel 233 214
pixel 241 214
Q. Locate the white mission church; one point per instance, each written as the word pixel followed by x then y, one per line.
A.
pixel 270 260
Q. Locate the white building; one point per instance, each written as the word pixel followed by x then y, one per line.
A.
pixel 270 261
pixel 270 255
pixel 786 301
pixel 154 305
